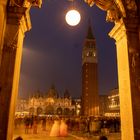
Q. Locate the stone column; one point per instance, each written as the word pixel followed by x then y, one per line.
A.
pixel 18 22
pixel 3 4
pixel 126 34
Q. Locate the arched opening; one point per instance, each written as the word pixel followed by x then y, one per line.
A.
pixel 66 111
pixel 31 110
pixel 49 110
pixel 39 111
pixel 73 112
pixel 59 111
pixel 126 36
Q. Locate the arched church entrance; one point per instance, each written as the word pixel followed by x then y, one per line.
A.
pixel 39 111
pixel 49 110
pixel 32 110
pixel 66 111
pixel 15 20
pixel 59 111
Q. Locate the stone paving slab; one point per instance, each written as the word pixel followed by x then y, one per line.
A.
pixel 44 135
pixel 70 137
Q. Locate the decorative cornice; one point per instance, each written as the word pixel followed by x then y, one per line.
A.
pixel 26 3
pixel 123 26
pixel 116 9
pixel 114 12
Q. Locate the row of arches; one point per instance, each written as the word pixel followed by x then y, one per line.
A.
pixel 50 110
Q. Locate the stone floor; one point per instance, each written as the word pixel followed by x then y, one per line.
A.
pixel 70 137
pixel 44 135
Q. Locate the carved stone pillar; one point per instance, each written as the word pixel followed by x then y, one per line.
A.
pixel 126 34
pixel 3 4
pixel 18 22
pixel 126 14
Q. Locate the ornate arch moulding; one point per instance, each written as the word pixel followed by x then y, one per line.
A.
pixel 18 10
pixel 26 3
pixel 116 9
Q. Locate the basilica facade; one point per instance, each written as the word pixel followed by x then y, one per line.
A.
pixel 51 104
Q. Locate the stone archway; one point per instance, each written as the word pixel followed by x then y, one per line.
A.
pixel 59 111
pixel 15 20
pixel 32 110
pixel 39 111
pixel 66 111
pixel 49 110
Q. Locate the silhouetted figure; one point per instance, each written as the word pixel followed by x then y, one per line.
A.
pixel 88 121
pixel 35 125
pixel 27 123
pixel 18 138
pixel 44 124
pixel 103 138
pixel 31 122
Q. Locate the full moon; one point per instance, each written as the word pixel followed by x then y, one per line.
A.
pixel 73 17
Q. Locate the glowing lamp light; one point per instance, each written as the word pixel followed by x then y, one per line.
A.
pixel 73 17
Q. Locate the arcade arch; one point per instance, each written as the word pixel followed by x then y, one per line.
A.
pixel 59 111
pixel 32 110
pixel 39 110
pixel 49 110
pixel 15 21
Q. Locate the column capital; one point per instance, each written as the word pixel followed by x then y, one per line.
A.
pixel 19 16
pixel 123 26
pixel 18 12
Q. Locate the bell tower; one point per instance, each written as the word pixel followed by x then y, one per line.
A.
pixel 90 97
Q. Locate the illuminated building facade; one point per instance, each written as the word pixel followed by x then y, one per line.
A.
pixel 114 103
pixel 49 105
pixel 103 104
pixel 22 107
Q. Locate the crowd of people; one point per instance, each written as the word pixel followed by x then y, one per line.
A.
pixel 56 126
pixel 60 126
pixel 94 125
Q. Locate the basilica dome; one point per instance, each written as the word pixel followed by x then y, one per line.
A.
pixel 52 93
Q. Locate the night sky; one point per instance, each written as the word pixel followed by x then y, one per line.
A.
pixel 52 50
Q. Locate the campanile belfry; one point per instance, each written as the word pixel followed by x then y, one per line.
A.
pixel 90 97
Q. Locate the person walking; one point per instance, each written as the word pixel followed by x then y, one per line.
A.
pixel 27 122
pixel 55 130
pixel 63 129
pixel 35 123
pixel 103 138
